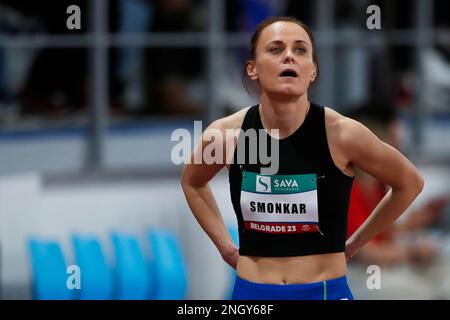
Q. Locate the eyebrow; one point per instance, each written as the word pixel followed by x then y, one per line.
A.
pixel 281 42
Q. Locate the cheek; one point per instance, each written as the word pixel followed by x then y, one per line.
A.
pixel 266 67
pixel 307 68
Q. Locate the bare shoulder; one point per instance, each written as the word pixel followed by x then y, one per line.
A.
pixel 335 126
pixel 355 145
pixel 348 139
pixel 335 119
pixel 341 133
pixel 343 130
pixel 233 121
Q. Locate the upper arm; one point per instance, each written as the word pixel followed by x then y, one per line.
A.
pixel 204 162
pixel 382 161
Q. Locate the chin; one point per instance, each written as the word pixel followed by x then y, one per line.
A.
pixel 289 92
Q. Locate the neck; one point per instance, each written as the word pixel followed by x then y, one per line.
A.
pixel 284 114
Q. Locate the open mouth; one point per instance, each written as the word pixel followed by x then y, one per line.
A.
pixel 289 73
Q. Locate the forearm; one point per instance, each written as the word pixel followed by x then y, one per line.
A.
pixel 394 203
pixel 205 210
pixel 388 253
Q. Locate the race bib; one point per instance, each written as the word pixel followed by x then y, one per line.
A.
pixel 279 204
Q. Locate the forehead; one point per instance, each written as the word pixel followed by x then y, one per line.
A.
pixel 284 31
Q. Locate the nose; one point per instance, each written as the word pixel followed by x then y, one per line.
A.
pixel 289 57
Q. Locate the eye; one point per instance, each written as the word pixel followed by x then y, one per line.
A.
pixel 301 50
pixel 275 50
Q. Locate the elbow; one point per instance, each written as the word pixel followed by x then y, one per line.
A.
pixel 419 183
pixel 187 178
pixel 183 177
pixel 413 183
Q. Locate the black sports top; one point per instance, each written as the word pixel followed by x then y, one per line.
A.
pixel 302 208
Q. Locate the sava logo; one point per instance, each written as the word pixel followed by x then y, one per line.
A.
pixel 285 183
pixel 263 184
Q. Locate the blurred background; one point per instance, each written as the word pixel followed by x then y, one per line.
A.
pixel 86 118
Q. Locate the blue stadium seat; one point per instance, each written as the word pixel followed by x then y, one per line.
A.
pixel 49 271
pixel 133 276
pixel 96 275
pixel 168 266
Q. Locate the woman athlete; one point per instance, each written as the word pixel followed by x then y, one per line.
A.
pixel 292 224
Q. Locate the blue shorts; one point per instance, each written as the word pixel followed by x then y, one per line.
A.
pixel 334 289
